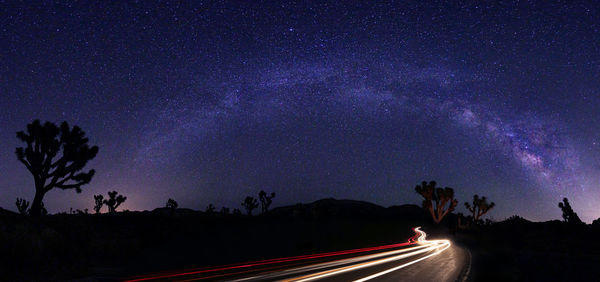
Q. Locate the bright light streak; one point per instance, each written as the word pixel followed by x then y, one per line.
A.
pixel 435 245
pixel 445 244
pixel 401 266
pixel 335 263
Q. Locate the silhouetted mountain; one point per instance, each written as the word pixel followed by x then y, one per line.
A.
pixel 346 209
pixel 596 223
pixel 513 220
pixel 177 212
pixel 4 212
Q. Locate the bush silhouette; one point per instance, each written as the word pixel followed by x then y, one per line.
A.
pixel 265 200
pixel 480 207
pixel 99 202
pixel 22 205
pixel 568 214
pixel 54 156
pixel 441 196
pixel 250 204
pixel 171 204
pixel 114 201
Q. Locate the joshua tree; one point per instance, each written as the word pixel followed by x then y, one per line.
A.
pixel 114 201
pixel 249 204
pixel 210 209
pixel 567 212
pixel 22 205
pixel 99 201
pixel 171 204
pixel 440 196
pixel 480 207
pixel 265 200
pixel 55 157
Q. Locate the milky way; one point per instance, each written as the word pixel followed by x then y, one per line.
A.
pixel 208 103
pixel 534 144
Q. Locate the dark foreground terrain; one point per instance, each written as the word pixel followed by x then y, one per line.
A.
pixel 69 246
pixel 520 250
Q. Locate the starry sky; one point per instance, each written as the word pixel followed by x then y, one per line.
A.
pixel 210 101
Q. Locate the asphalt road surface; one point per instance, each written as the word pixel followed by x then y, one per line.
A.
pixel 418 259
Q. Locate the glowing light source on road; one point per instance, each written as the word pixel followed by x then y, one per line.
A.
pixel 440 245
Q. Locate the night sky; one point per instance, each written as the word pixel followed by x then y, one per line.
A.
pixel 210 102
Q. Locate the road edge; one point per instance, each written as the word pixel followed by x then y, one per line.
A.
pixel 466 270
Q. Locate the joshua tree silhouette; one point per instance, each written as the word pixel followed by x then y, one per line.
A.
pixel 44 144
pixel 440 196
pixel 265 200
pixel 171 205
pixel 114 201
pixel 250 204
pixel 568 214
pixel 22 205
pixel 210 209
pixel 98 199
pixel 480 207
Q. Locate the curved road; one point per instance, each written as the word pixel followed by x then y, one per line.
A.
pixel 418 259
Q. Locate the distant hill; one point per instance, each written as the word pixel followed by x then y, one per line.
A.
pixel 179 211
pixel 332 208
pixel 7 216
pixel 7 212
pixel 328 208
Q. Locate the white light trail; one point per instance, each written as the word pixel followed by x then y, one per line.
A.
pixel 420 249
pixel 334 263
pixel 443 245
pixel 427 246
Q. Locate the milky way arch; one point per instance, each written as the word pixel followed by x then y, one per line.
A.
pixel 538 145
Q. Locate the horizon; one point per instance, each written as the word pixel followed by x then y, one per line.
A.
pixel 274 207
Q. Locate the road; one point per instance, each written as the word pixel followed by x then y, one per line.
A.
pixel 418 259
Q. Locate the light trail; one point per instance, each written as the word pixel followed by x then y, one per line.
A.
pixel 333 263
pixel 427 246
pixel 280 268
pixel 268 262
pixel 443 245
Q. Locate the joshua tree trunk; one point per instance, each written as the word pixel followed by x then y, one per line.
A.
pixel 443 215
pixel 433 214
pixel 36 205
